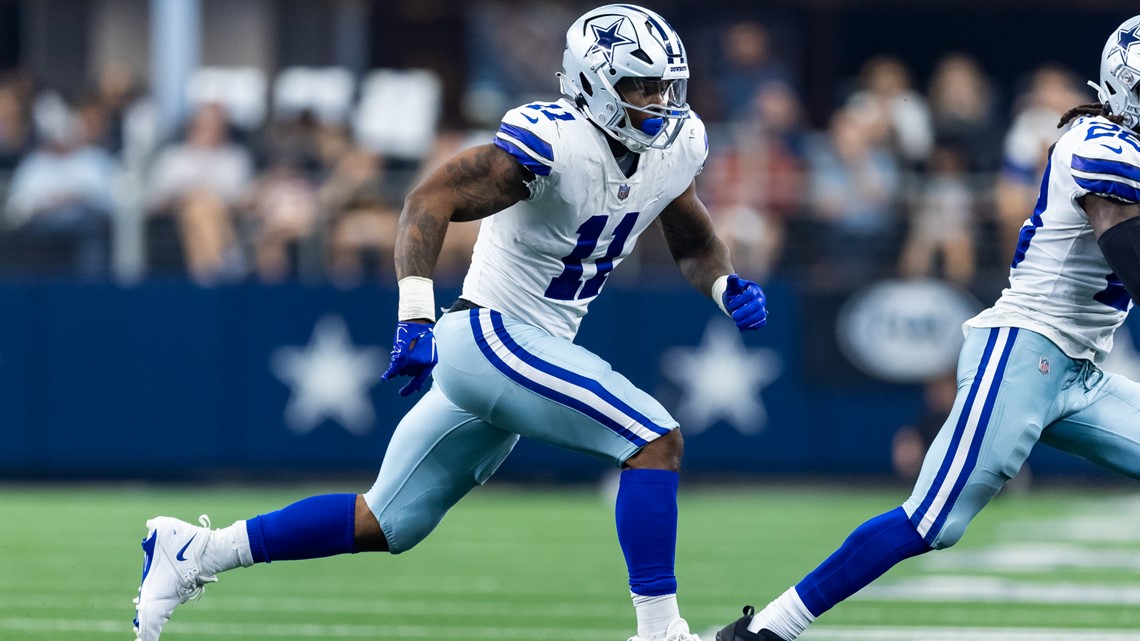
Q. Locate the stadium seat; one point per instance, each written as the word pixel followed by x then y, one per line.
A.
pixel 327 92
pixel 398 112
pixel 241 90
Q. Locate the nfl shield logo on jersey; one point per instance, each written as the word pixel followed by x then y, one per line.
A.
pixel 623 192
pixel 1043 366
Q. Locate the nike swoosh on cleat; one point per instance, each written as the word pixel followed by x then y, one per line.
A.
pixel 183 550
pixel 1114 150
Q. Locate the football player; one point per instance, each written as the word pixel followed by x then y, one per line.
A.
pixel 1028 369
pixel 563 192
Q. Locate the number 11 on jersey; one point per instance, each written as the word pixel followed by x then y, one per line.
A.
pixel 566 285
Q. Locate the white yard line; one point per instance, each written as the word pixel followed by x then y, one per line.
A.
pixel 944 588
pixel 308 631
pixel 380 606
pixel 822 633
pixel 964 634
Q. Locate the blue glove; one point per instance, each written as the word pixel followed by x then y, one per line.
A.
pixel 745 302
pixel 413 354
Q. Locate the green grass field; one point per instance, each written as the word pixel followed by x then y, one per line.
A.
pixel 534 565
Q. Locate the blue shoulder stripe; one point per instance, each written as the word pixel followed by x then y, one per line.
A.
pixel 1110 177
pixel 523 158
pixel 1111 167
pixel 1127 193
pixel 536 145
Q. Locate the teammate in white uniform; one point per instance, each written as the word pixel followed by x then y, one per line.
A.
pixel 1028 369
pixel 571 185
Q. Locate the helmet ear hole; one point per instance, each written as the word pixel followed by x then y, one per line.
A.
pixel 585 84
pixel 1111 89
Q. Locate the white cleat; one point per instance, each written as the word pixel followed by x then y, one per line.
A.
pixel 678 631
pixel 172 573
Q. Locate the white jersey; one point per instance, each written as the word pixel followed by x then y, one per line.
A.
pixel 544 259
pixel 1060 285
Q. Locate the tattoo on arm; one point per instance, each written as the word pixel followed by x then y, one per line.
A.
pixel 474 184
pixel 418 241
pixel 483 182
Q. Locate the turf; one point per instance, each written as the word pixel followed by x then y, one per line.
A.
pixel 544 565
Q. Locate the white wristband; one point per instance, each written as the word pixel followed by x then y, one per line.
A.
pixel 417 298
pixel 718 288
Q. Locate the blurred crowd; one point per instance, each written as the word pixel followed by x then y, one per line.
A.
pixel 901 179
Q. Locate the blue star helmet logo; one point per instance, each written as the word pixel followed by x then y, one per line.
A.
pixel 1127 38
pixel 605 39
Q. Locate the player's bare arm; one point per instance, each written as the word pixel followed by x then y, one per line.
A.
pixel 1104 213
pixel 1117 229
pixel 688 229
pixel 473 184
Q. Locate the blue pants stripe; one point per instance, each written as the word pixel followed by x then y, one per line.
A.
pixel 576 382
pixel 992 384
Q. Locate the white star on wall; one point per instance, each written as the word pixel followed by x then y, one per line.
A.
pixel 721 379
pixel 329 379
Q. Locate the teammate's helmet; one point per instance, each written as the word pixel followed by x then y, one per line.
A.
pixel 616 52
pixel 1119 87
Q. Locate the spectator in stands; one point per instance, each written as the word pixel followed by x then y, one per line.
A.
pixel 941 222
pixel 756 179
pixel 294 140
pixel 1052 92
pixel 748 66
pixel 362 223
pixel 95 119
pixel 896 115
pixel 197 184
pixel 118 94
pixel 15 126
pixel 962 105
pixel 60 194
pixel 854 186
pixel 332 142
pixel 511 48
pixel 281 216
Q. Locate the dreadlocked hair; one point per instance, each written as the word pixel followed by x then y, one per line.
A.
pixel 1091 109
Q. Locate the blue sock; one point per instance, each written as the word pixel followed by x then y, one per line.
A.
pixel 872 549
pixel 311 528
pixel 646 515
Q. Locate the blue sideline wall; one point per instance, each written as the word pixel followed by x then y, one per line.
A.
pixel 172 381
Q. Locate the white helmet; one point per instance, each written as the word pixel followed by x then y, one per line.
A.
pixel 618 51
pixel 1119 87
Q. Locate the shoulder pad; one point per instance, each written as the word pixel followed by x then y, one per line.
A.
pixel 1106 160
pixel 529 133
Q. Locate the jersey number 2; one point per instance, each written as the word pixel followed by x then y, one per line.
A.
pixel 566 285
